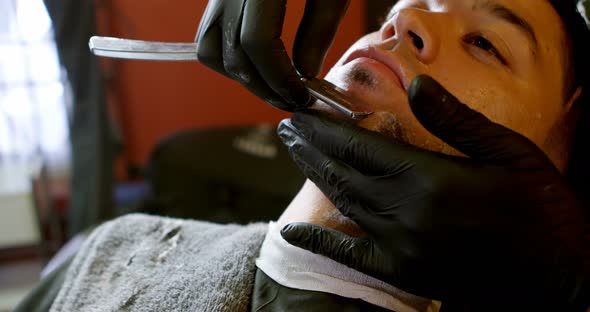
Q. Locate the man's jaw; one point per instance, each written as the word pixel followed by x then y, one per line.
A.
pixel 389 125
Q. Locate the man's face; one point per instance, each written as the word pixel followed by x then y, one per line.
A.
pixel 503 58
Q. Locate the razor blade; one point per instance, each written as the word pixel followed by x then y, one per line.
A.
pixel 172 51
pixel 142 50
pixel 336 98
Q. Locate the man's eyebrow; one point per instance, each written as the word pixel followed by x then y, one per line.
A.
pixel 509 16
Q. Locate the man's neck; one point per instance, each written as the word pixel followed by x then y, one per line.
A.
pixel 312 206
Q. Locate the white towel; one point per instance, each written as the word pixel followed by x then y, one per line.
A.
pixel 298 268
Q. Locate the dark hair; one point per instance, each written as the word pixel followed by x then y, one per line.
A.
pixel 578 34
pixel 578 172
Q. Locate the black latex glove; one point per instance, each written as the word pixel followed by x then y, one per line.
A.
pixel 501 227
pixel 242 40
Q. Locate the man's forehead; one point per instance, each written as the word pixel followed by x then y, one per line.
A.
pixel 526 7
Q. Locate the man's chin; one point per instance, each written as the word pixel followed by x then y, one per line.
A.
pixel 387 124
pixel 384 122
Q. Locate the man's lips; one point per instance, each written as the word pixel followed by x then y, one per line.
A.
pixel 384 58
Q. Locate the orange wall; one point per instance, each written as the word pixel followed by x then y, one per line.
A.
pixel 154 99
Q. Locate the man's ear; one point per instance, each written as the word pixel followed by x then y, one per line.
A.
pixel 561 135
pixel 559 141
pixel 573 99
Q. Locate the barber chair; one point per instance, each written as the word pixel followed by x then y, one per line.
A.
pixel 236 175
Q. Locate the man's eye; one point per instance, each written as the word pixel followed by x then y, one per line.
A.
pixel 484 44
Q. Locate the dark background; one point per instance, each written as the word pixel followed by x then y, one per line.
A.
pixel 376 12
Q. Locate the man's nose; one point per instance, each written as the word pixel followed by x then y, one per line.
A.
pixel 412 27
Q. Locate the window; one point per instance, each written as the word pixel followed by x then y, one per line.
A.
pixel 33 88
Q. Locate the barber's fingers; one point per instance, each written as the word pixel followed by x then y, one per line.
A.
pixel 210 17
pixel 316 33
pixel 350 251
pixel 336 180
pixel 364 255
pixel 364 198
pixel 261 40
pixel 366 151
pixel 237 63
pixel 219 47
pixel 209 47
pixel 469 131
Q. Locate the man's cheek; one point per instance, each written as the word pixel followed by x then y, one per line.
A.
pixel 405 128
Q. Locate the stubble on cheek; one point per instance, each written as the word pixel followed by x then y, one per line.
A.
pixel 395 126
pixel 389 125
